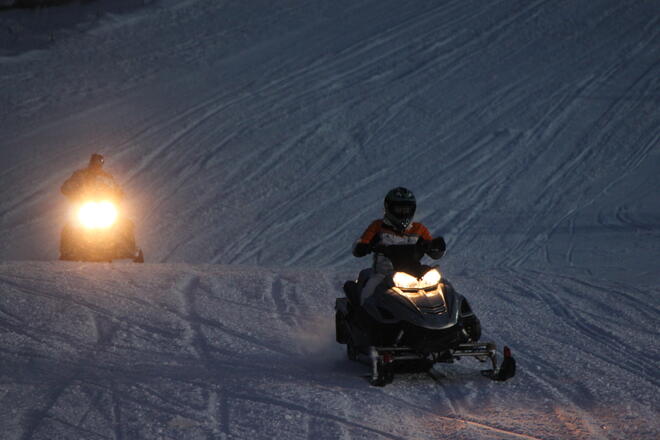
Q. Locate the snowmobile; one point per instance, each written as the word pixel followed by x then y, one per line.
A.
pixel 96 230
pixel 413 320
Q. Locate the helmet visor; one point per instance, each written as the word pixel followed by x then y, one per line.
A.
pixel 403 211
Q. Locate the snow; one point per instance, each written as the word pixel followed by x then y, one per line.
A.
pixel 256 141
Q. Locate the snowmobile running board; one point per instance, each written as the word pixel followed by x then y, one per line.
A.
pixel 473 349
pixel 482 351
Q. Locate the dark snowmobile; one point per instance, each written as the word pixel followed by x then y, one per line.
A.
pixel 414 318
pixel 97 230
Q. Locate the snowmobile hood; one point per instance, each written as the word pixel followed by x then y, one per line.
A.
pixel 434 312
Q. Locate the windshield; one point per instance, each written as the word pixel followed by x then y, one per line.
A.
pixel 405 258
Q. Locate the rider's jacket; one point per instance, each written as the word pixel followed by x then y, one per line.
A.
pixel 90 180
pixel 380 232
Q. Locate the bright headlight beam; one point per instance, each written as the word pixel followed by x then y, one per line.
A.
pixel 431 278
pixel 97 215
pixel 405 281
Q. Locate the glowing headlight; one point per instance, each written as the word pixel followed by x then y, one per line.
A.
pixel 430 278
pixel 405 281
pixel 97 215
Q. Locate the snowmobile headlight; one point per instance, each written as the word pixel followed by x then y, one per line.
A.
pixel 97 215
pixel 430 278
pixel 404 281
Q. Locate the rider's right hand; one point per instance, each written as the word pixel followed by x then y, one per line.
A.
pixel 378 248
pixel 361 249
pixel 438 244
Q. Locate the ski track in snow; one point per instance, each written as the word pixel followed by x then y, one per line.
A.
pixel 132 360
pixel 256 142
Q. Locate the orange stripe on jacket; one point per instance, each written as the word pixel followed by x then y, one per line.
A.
pixel 378 226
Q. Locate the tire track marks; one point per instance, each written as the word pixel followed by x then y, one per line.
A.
pixel 633 361
pixel 186 289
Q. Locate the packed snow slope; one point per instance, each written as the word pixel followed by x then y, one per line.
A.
pixel 255 141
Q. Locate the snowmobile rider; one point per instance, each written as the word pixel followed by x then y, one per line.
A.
pixel 92 178
pixel 396 228
pixel 94 182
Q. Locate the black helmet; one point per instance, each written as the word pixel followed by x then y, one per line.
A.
pixel 400 207
pixel 96 161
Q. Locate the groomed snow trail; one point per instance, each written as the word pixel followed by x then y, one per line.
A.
pixel 210 351
pixel 256 141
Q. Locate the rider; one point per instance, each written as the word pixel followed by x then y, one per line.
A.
pixel 94 181
pixel 91 178
pixel 396 228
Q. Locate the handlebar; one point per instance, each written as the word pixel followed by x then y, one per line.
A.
pixel 417 249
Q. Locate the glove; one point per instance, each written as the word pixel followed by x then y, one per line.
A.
pixel 436 247
pixel 438 244
pixel 361 249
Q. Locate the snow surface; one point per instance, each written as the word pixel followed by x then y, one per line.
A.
pixel 255 141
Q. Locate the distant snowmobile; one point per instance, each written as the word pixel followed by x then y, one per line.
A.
pixel 97 230
pixel 415 318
